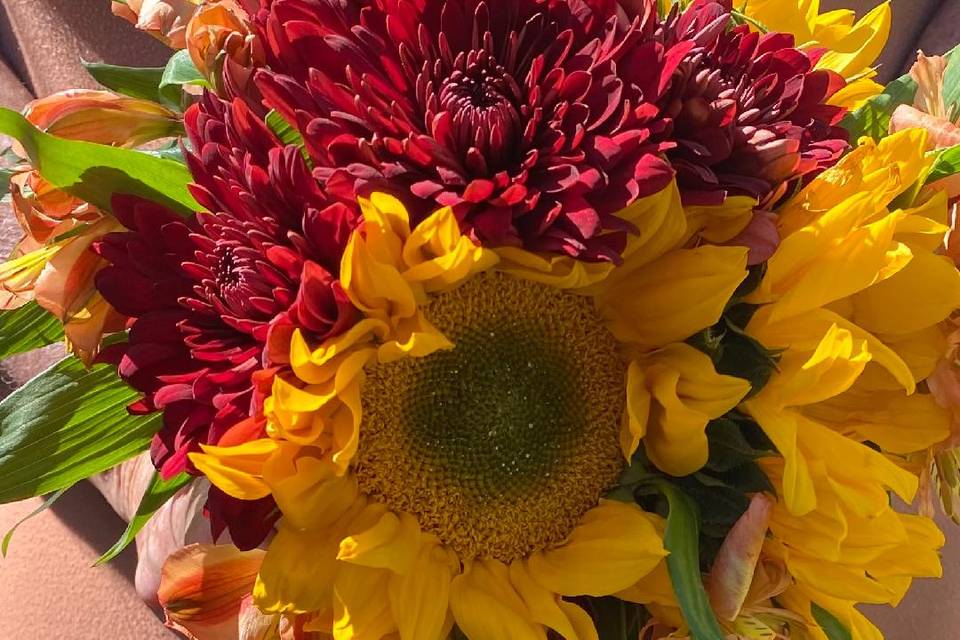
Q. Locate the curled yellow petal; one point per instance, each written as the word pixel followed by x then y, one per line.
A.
pixel 487 607
pixel 613 546
pixel 420 598
pixel 687 393
pixel 384 541
pixel 237 471
pixel 673 298
pixel 311 491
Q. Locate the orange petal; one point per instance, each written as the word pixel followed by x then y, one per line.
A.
pixel 732 574
pixel 203 589
pixel 103 117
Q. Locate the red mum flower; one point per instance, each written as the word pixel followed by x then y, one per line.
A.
pixel 207 295
pixel 533 119
pixel 749 110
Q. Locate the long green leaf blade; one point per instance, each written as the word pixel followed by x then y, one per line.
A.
pixel 66 424
pixel 136 82
pixel 158 492
pixel 46 504
pixel 681 539
pixel 94 172
pixel 946 165
pixel 832 627
pixel 27 328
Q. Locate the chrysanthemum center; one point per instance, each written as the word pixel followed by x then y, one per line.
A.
pixel 501 444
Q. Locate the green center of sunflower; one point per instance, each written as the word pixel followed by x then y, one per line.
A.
pixel 501 444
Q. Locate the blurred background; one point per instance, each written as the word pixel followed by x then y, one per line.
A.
pixel 50 590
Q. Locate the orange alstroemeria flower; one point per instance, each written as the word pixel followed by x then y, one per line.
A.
pixel 220 33
pixel 103 117
pixel 52 263
pixel 165 20
pixel 205 591
pixel 929 111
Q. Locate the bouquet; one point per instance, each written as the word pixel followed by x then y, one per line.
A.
pixel 501 319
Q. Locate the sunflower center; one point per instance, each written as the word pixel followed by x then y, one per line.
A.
pixel 501 444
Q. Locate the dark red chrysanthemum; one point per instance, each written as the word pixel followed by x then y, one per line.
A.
pixel 213 298
pixel 535 120
pixel 749 110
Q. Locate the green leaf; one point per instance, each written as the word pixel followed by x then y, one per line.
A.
pixel 157 494
pixel 951 86
pixel 681 539
pixel 94 172
pixel 287 133
pixel 27 328
pixel 729 447
pixel 179 71
pixel 136 82
pixel 46 504
pixel 617 619
pixel 5 175
pixel 873 117
pixel 832 627
pixel 947 164
pixel 66 424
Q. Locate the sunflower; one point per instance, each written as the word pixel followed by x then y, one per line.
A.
pixel 855 297
pixel 445 460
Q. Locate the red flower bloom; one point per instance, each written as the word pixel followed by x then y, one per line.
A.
pixel 207 294
pixel 533 119
pixel 749 110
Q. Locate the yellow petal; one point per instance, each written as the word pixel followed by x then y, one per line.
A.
pixel 923 293
pixel 237 471
pixel 439 257
pixel 721 223
pixel 896 422
pixel 687 393
pixel 310 491
pixel 390 542
pixel 487 607
pixel 832 368
pixel 637 414
pixel 361 607
pixel 548 609
pixel 805 333
pixel 376 288
pixel 614 545
pixel 832 260
pixel 673 298
pixel 781 427
pixel 654 588
pixel 298 572
pixel 557 271
pixel 420 598
pixel 861 45
pixel 661 226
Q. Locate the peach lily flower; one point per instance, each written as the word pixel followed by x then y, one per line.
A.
pixel 220 34
pixel 52 263
pixel 165 20
pixel 206 593
pixel 930 112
